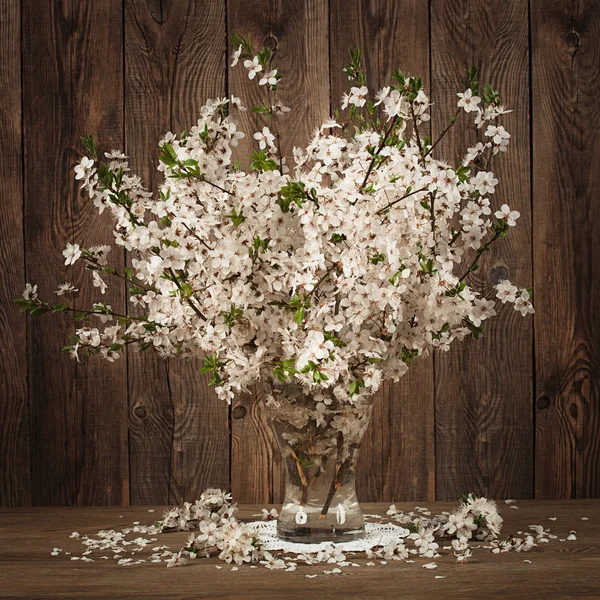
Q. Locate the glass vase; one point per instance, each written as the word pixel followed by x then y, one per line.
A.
pixel 319 438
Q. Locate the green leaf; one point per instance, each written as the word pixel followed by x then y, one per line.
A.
pixel 377 258
pixel 285 370
pixel 409 355
pixel 462 173
pixel 295 192
pixel 261 162
pixel 299 316
pixel 236 218
pixel 262 110
pixel 90 145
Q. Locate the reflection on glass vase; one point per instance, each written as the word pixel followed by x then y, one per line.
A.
pixel 319 438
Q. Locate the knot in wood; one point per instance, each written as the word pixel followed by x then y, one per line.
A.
pixel 140 411
pixel 543 402
pixel 498 274
pixel 239 412
pixel 572 39
pixel 574 410
pixel 270 42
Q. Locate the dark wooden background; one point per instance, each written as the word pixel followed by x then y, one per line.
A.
pixel 514 415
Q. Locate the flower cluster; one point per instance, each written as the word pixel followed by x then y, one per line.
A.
pixel 214 506
pixel 217 531
pixel 333 268
pixel 213 516
pixel 476 518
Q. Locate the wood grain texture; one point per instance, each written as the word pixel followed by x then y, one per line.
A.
pixel 15 488
pixel 127 71
pixel 397 454
pixel 565 570
pixel 407 410
pixel 79 432
pixel 356 24
pixel 299 33
pixel 566 167
pixel 483 389
pixel 201 435
pixel 175 59
pixel 97 109
pixel 48 133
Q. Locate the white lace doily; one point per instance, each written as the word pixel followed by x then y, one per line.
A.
pixel 375 534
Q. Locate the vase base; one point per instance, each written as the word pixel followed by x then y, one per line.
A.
pixel 314 535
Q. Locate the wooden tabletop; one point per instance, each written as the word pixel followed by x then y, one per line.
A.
pixel 569 569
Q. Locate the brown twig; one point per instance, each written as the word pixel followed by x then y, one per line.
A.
pixel 424 189
pixel 379 148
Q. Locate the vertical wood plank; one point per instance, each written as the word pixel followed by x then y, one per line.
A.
pixel 299 32
pixel 566 175
pixel 201 436
pixel 15 482
pixel 72 85
pixel 97 96
pixel 483 390
pixel 408 450
pixel 175 59
pixel 355 24
pixel 48 208
pixel 397 455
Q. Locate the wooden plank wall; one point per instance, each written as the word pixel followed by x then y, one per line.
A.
pixel 516 414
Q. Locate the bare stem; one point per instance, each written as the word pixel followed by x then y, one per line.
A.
pixel 187 299
pixel 481 250
pixel 444 132
pixel 424 189
pixel 334 482
pixel 379 149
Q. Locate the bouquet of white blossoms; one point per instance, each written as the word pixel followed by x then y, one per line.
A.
pixel 332 269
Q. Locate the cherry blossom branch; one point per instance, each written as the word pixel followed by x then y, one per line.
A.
pixel 379 149
pixel 188 300
pixel 411 193
pixel 114 273
pixel 323 278
pixel 416 130
pixel 194 235
pixel 443 133
pixel 481 250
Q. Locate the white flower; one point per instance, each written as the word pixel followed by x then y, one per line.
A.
pixel 84 169
pixel 269 515
pixel 333 269
pixel 235 57
pixel 358 95
pixel 523 304
pixel 99 282
pixel 65 288
pixel 506 291
pixel 237 102
pixel 271 562
pixel 381 95
pixel 269 78
pixel 71 253
pixel 176 560
pixel 510 216
pixel 393 104
pixel 279 107
pixel 30 292
pixel 499 137
pixel 485 182
pixel 253 67
pixel 482 309
pixel 467 101
pixel 265 138
pixel 100 253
